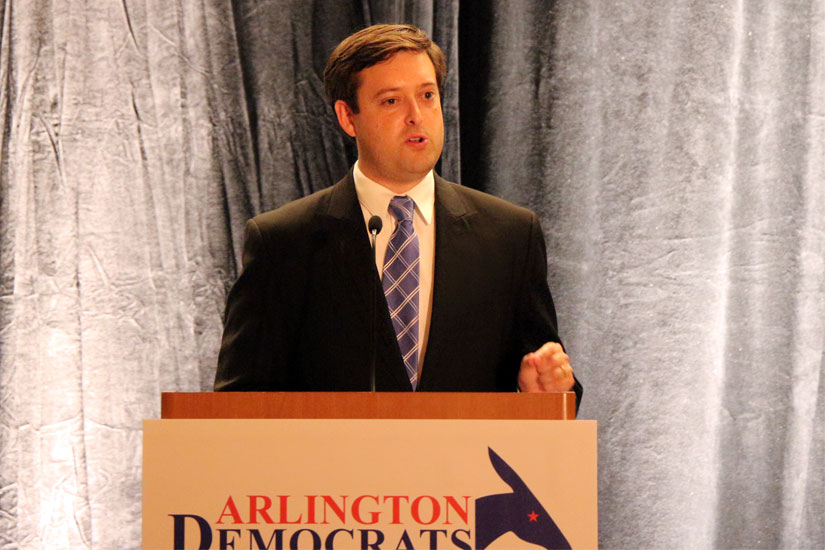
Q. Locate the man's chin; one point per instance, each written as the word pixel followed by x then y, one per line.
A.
pixel 419 167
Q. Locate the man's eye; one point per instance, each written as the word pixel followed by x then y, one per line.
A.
pixel 390 101
pixel 429 95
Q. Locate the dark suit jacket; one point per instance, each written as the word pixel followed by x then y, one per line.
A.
pixel 298 317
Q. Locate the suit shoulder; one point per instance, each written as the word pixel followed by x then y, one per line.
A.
pixel 489 205
pixel 337 201
pixel 292 216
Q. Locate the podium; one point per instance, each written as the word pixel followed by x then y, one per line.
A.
pixel 369 470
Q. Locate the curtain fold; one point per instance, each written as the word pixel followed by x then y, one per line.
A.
pixel 121 138
pixel 675 154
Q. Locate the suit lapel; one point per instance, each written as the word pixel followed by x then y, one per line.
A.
pixel 344 221
pixel 453 243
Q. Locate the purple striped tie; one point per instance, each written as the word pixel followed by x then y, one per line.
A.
pixel 400 281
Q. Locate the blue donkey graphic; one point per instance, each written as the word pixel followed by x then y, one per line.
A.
pixel 519 512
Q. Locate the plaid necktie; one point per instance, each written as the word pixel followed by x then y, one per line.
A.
pixel 400 281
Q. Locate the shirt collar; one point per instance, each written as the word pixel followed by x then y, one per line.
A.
pixel 376 198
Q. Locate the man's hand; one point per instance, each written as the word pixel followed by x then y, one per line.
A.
pixel 545 370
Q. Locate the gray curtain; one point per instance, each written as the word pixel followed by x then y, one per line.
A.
pixel 674 151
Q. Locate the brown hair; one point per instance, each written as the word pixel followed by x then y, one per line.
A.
pixel 372 45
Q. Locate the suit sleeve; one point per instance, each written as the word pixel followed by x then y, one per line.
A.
pixel 536 314
pixel 255 347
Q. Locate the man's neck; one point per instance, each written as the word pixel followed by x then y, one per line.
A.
pixel 397 187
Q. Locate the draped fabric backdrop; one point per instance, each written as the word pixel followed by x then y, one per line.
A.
pixel 675 152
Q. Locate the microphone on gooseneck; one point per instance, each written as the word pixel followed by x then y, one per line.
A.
pixel 375 224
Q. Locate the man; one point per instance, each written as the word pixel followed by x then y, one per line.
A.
pixel 462 303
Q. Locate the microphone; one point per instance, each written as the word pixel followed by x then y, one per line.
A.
pixel 375 224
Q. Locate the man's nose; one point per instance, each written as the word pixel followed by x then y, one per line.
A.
pixel 414 114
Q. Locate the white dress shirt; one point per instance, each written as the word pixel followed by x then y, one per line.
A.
pixel 375 201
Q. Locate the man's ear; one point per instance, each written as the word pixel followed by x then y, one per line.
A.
pixel 345 114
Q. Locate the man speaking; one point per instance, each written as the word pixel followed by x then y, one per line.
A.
pixel 454 298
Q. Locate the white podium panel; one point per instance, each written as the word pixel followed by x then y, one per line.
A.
pixel 380 484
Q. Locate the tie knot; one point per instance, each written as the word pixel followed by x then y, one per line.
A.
pixel 401 207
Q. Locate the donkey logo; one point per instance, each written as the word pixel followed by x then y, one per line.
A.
pixel 519 512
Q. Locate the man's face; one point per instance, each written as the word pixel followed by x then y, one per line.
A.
pixel 399 128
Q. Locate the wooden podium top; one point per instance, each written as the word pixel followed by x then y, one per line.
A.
pixel 488 406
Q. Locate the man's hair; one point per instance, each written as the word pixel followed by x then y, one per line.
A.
pixel 372 45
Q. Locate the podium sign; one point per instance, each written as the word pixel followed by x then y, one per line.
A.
pixel 369 483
